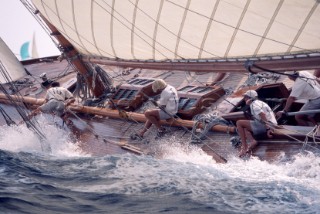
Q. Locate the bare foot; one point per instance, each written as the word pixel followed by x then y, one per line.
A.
pixel 243 151
pixel 136 136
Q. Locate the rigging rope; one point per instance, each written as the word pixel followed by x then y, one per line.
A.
pixel 22 111
pixel 7 118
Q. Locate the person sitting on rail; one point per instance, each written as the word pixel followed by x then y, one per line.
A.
pixel 167 107
pixel 264 118
pixel 56 100
pixel 306 87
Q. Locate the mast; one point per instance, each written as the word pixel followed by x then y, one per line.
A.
pixel 75 58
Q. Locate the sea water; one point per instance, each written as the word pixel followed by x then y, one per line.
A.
pixel 66 180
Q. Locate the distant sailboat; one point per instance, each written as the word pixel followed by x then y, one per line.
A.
pixel 28 51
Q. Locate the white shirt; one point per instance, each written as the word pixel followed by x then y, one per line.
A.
pixel 257 106
pixel 305 87
pixel 169 99
pixel 58 93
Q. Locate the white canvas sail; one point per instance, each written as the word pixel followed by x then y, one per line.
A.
pixel 10 63
pixel 34 51
pixel 185 29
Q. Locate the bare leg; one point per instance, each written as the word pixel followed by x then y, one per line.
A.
pixel 147 126
pixel 152 118
pixel 253 142
pixel 243 126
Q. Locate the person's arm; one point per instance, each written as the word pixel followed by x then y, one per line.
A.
pixel 289 102
pixel 269 126
pixel 263 117
pixel 316 73
pixel 68 97
pixel 69 101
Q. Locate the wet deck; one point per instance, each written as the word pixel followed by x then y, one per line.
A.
pixel 101 135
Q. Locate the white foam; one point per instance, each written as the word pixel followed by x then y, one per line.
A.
pixel 21 139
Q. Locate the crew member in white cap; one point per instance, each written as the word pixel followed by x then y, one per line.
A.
pixel 306 87
pixel 263 119
pixel 56 101
pixel 167 106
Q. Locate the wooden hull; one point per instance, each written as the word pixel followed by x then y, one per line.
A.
pixel 109 132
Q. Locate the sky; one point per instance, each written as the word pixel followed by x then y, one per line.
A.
pixel 17 26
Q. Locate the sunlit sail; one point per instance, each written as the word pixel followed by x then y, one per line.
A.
pixel 175 30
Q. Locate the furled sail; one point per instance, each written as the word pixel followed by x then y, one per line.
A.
pixel 161 30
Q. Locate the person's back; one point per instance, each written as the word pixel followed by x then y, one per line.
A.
pixel 58 93
pixel 305 86
pixel 169 99
pixel 257 107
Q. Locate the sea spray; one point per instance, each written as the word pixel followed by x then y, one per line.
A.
pixel 58 138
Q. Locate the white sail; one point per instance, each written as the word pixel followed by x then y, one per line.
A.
pixel 34 51
pixel 10 63
pixel 186 29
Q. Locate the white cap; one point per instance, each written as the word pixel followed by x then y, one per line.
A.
pixel 251 93
pixel 158 84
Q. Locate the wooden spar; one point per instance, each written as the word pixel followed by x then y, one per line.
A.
pixel 141 118
pixel 285 64
pixel 74 57
pixel 115 113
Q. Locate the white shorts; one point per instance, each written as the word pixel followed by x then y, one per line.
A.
pixel 258 129
pixel 311 105
pixel 163 115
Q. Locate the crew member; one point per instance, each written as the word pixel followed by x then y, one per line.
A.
pixel 306 87
pixel 56 100
pixel 263 119
pixel 167 107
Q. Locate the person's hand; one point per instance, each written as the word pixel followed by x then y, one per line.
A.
pixel 68 102
pixel 270 133
pixel 280 114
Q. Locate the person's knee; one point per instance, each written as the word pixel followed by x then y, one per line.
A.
pixel 239 123
pixel 148 113
pixel 151 114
